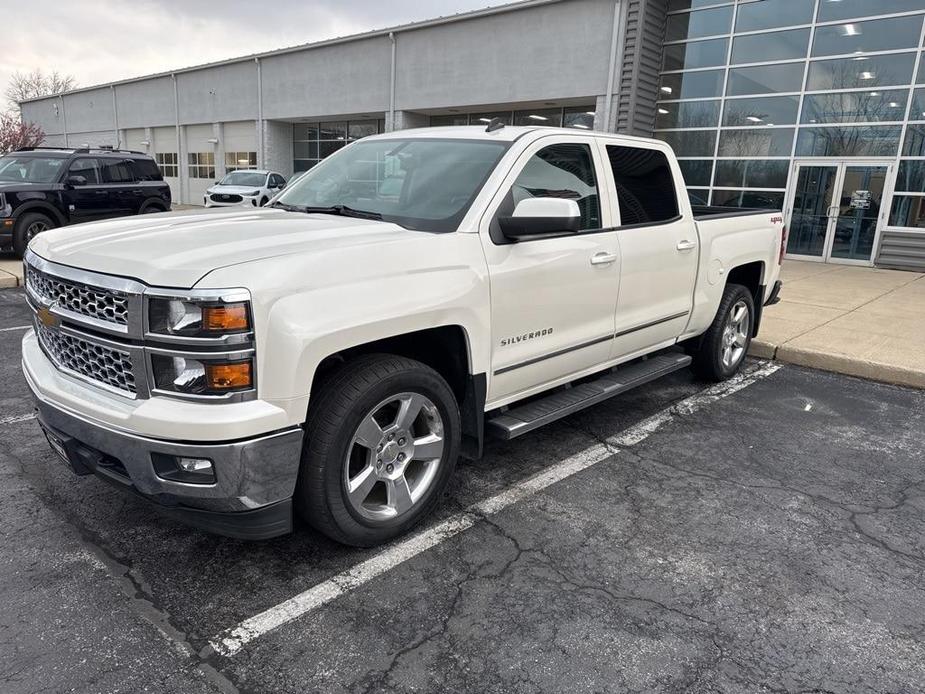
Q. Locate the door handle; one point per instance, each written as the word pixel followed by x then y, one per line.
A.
pixel 603 258
pixel 686 245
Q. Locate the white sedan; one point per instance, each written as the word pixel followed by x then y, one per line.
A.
pixel 249 187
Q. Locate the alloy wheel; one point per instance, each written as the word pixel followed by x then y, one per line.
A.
pixel 735 334
pixel 35 229
pixel 394 457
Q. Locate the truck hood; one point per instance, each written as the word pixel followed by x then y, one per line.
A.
pixel 176 249
pixel 235 190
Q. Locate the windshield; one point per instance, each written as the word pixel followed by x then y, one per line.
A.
pixel 244 178
pixel 425 184
pixel 30 169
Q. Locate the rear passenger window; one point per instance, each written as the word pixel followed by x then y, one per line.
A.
pixel 146 170
pixel 562 171
pixel 87 168
pixel 117 171
pixel 645 187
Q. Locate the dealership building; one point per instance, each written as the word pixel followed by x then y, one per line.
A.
pixel 810 106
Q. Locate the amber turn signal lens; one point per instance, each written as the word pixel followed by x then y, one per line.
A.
pixel 225 318
pixel 228 376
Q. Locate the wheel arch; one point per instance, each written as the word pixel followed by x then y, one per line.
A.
pixel 42 207
pixel 751 276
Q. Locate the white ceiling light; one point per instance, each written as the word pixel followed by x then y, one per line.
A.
pixel 590 113
pixel 866 75
pixel 533 116
pixel 667 90
pixel 579 125
pixel 663 111
pixel 893 104
pixel 850 30
pixel 753 119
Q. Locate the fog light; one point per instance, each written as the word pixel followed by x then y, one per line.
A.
pixel 183 469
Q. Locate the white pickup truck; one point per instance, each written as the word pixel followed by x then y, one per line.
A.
pixel 332 354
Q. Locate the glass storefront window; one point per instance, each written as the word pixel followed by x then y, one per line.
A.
pixel 756 142
pixel 687 114
pixel 691 85
pixel 698 196
pixel 690 143
pixel 684 56
pixel 765 110
pixel 914 146
pixel 539 116
pixel 831 10
pixel 855 107
pixel 864 37
pixel 581 117
pixel 908 211
pixel 751 173
pixel 748 198
pixel 674 5
pixel 696 172
pixel 692 25
pixel 917 112
pixel 506 117
pixel 451 119
pixel 860 72
pixel 776 45
pixel 911 176
pixel 765 79
pixel 362 128
pixel 849 141
pixel 770 14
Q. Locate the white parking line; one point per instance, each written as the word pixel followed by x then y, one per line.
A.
pixel 17 418
pixel 232 640
pixel 18 327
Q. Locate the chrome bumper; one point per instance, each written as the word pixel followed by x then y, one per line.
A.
pixel 255 478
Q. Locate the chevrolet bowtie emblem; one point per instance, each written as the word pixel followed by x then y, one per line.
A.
pixel 47 318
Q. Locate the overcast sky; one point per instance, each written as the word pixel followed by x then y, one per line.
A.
pixel 104 40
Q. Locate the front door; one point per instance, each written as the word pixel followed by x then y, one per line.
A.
pixel 552 299
pixel 836 210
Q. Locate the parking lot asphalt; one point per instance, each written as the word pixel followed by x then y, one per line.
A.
pixel 770 538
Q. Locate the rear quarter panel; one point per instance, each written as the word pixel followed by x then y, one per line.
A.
pixel 725 244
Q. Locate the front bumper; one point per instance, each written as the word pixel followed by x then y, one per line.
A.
pixel 246 201
pixel 255 477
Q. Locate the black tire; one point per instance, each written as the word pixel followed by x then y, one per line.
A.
pixel 263 201
pixel 151 208
pixel 710 351
pixel 28 226
pixel 345 400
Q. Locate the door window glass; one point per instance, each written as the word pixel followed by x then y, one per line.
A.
pixel 859 210
pixel 813 197
pixel 117 171
pixel 146 170
pixel 562 171
pixel 88 168
pixel 645 186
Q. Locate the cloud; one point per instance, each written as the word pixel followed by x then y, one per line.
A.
pixel 100 41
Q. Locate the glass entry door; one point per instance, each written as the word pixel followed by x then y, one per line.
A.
pixel 836 211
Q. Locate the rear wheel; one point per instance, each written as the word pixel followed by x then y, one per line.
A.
pixel 382 442
pixel 151 208
pixel 27 228
pixel 723 347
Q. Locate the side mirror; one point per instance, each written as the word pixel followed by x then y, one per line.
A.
pixel 537 217
pixel 76 180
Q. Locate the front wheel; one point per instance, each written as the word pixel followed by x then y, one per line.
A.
pixel 723 347
pixel 381 444
pixel 27 228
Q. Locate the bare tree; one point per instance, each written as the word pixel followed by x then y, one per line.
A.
pixel 29 85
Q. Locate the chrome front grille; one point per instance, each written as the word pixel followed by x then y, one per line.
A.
pixel 93 361
pixel 105 305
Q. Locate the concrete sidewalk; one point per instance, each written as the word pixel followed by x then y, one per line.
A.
pixel 854 320
pixel 10 271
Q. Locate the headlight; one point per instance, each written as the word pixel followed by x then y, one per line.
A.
pixel 255 193
pixel 188 318
pixel 201 377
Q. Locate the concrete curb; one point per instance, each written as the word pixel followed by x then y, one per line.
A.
pixel 8 280
pixel 839 363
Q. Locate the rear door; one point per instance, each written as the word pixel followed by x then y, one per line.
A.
pixel 125 193
pixel 552 299
pixel 659 247
pixel 85 196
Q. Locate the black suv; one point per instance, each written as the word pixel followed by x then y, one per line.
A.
pixel 42 188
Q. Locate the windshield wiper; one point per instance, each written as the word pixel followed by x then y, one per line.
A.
pixel 341 210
